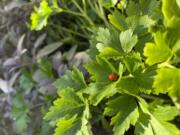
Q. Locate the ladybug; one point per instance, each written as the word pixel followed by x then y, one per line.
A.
pixel 113 77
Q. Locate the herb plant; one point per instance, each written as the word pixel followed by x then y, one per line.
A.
pixel 134 80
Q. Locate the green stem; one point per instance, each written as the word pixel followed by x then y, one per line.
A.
pixel 68 30
pixel 166 64
pixel 84 6
pixel 83 13
pixel 73 13
pixel 78 7
pixel 102 12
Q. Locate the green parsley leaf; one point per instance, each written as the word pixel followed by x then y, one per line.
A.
pixel 74 125
pixel 68 105
pixel 70 113
pixel 108 38
pixel 168 11
pixel 56 6
pixel 118 20
pixel 128 40
pixel 124 111
pixel 108 52
pixel 99 91
pixel 133 62
pixel 173 33
pixel 168 80
pixel 72 79
pixel 157 52
pixel 148 124
pixel 143 125
pixel 151 8
pixel 134 22
pixel 100 69
pixel 40 16
pixel 140 83
pixel 165 112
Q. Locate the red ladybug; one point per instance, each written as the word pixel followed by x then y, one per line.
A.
pixel 113 77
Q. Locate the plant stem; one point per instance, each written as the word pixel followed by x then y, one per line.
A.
pixel 73 13
pixel 68 30
pixel 83 13
pixel 102 12
pixel 166 64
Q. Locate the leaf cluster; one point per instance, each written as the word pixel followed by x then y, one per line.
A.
pixel 141 45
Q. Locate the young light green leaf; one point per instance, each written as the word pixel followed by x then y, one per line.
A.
pixel 172 128
pixel 157 52
pixel 122 4
pixel 108 52
pixel 168 80
pixel 109 3
pixel 160 127
pixel 178 3
pixel 165 113
pixel 40 16
pixel 128 40
pixel 56 6
pixel 173 33
pixel 168 11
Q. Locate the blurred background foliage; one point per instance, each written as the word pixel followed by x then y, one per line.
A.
pixel 36 47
